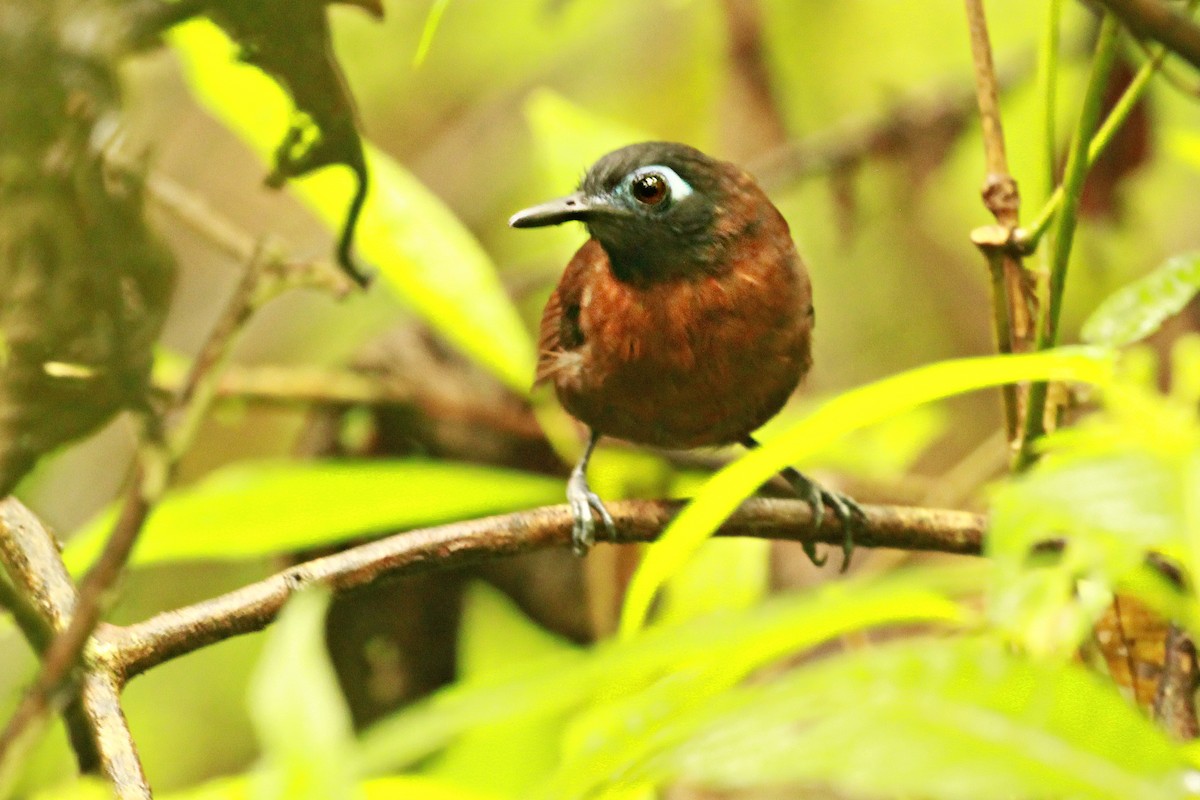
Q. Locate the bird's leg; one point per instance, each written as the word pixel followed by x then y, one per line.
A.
pixel 848 512
pixel 585 504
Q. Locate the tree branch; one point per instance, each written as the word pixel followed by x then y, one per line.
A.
pixel 266 276
pixel 132 650
pixel 100 703
pixel 95 724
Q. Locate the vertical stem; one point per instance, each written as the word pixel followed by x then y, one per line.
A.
pixel 1047 82
pixel 989 105
pixel 1074 175
pixel 1032 235
pixel 1073 178
pixel 100 701
pixel 1012 315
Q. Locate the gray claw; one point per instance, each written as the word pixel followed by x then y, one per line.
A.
pixel 852 518
pixel 847 511
pixel 585 505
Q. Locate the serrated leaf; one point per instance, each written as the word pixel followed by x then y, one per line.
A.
pixel 1134 312
pixel 1113 488
pixel 298 711
pixel 936 719
pixel 423 251
pixel 254 509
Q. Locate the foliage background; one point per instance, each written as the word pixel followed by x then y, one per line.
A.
pixel 512 101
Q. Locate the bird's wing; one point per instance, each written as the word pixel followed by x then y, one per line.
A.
pixel 560 331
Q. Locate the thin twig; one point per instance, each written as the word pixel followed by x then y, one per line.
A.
pixel 134 649
pixel 300 385
pixel 908 127
pixel 1000 190
pixel 153 472
pixel 1012 318
pixel 64 652
pixel 192 210
pixel 1157 21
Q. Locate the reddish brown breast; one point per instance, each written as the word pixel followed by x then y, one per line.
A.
pixel 702 359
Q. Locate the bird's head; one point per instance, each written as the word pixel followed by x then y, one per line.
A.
pixel 659 209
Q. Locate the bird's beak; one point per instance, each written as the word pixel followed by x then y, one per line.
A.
pixel 577 206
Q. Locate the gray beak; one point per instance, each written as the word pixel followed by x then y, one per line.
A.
pixel 577 206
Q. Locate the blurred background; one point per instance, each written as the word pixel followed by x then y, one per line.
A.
pixel 858 117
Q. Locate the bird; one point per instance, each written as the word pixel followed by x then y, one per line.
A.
pixel 684 321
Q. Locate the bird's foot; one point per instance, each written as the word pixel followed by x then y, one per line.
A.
pixel 848 512
pixel 585 506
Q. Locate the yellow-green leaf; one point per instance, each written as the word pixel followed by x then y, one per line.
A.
pixel 1135 311
pixel 837 417
pixel 422 250
pixel 259 508
pixel 298 710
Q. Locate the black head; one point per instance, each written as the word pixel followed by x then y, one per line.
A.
pixel 653 206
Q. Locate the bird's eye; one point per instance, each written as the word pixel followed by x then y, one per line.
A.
pixel 650 189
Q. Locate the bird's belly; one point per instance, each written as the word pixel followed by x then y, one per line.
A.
pixel 691 378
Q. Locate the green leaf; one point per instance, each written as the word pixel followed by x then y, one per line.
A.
pixel 409 787
pixel 725 574
pixel 836 418
pixel 1134 312
pixel 886 451
pixel 1115 487
pixel 494 638
pixel 235 787
pixel 416 787
pixel 83 788
pixel 298 710
pixel 1184 143
pixel 927 718
pixel 426 255
pixel 730 643
pixel 253 509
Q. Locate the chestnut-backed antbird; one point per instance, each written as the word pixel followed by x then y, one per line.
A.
pixel 684 321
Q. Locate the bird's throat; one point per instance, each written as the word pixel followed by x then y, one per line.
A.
pixel 651 262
